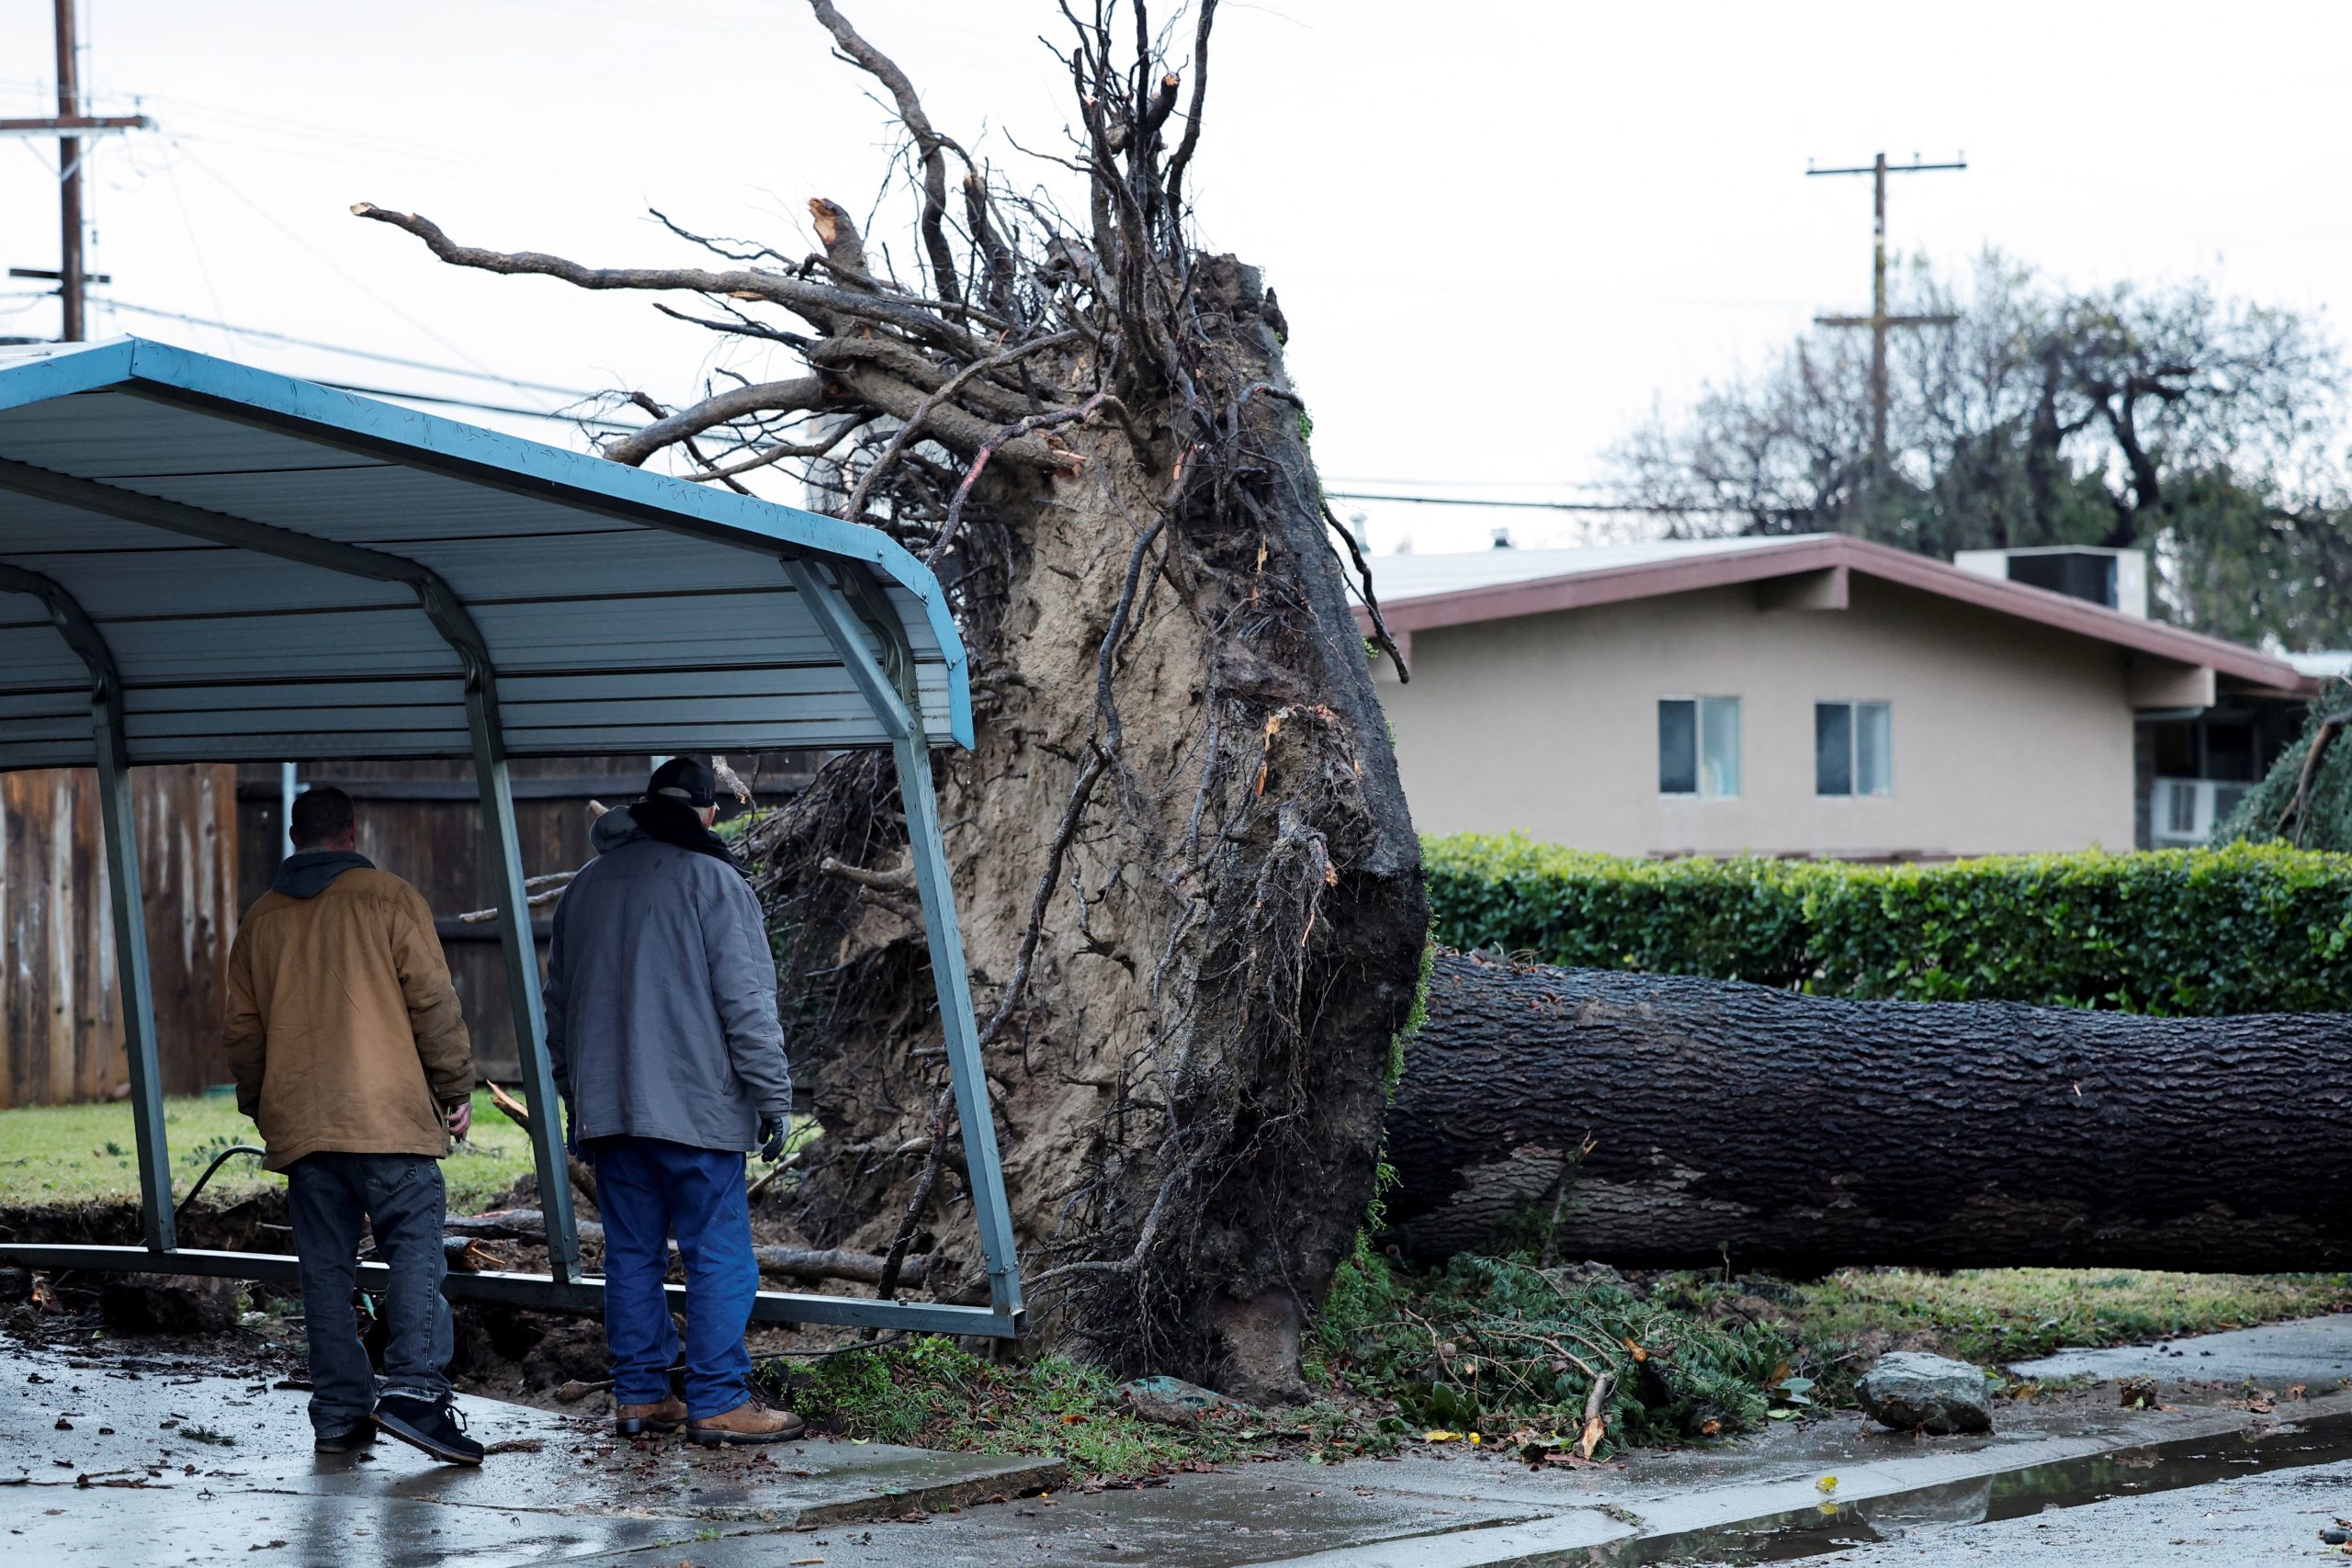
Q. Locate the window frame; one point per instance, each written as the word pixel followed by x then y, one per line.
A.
pixel 1698 746
pixel 1853 706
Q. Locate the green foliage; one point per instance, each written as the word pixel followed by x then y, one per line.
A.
pixel 1496 1345
pixel 1414 1020
pixel 2244 929
pixel 2326 817
pixel 929 1393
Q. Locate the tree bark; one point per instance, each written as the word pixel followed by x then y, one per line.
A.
pixel 1721 1120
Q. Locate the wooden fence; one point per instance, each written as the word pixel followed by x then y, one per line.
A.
pixel 210 839
pixel 59 1004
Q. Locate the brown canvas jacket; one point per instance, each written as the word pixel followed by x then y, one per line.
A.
pixel 344 1030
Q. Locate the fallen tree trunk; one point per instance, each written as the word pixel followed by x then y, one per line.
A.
pixel 1666 1122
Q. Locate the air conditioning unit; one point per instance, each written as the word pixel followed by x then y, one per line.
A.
pixel 2183 813
pixel 2116 578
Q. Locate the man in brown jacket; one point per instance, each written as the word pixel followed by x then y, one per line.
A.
pixel 351 1055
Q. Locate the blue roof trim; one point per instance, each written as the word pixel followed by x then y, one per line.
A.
pixel 36 379
pixel 721 516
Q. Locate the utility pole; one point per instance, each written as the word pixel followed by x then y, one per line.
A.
pixel 1878 321
pixel 69 125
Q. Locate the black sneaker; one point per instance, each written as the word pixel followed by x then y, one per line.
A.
pixel 439 1429
pixel 358 1436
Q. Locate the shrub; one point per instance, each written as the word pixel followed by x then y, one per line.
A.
pixel 2244 929
pixel 2325 821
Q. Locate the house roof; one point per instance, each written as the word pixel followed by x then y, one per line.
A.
pixel 1424 593
pixel 269 570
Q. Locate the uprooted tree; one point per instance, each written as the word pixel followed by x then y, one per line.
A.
pixel 1191 894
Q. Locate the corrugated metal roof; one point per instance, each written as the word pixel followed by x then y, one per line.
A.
pixel 623 611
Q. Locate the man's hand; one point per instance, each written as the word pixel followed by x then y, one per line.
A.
pixel 459 1118
pixel 773 1130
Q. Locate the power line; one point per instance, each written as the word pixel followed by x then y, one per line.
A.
pixel 595 421
pixel 350 353
pixel 1662 508
pixel 337 267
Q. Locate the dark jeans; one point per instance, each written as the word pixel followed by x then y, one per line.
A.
pixel 399 1197
pixel 645 1190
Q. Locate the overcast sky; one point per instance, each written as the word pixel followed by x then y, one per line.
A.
pixel 1500 231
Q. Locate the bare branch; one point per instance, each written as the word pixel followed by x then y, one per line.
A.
pixel 761 396
pixel 927 142
pixel 817 302
pixel 1184 157
pixel 1364 573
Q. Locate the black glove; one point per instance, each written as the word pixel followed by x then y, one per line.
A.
pixel 773 1130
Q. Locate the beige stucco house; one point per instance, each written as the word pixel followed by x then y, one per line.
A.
pixel 1811 696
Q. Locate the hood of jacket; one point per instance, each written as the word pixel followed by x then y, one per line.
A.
pixel 613 829
pixel 305 873
pixel 663 821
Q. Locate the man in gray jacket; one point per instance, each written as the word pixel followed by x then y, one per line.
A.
pixel 661 1025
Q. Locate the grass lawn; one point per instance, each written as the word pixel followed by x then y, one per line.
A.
pixel 77 1153
pixel 1992 1316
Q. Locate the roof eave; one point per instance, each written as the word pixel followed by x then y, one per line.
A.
pixel 1654 579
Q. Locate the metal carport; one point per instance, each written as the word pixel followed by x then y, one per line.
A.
pixel 200 561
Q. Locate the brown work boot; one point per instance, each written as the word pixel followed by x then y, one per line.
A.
pixel 750 1422
pixel 634 1420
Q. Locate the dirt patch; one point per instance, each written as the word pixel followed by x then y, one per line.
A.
pixel 257 1223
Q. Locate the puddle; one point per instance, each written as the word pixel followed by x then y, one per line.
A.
pixel 2067 1484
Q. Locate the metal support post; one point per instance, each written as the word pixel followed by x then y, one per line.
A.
pixel 948 972
pixel 894 705
pixel 522 955
pixel 133 979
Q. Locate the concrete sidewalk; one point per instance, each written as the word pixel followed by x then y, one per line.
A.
pixel 108 1459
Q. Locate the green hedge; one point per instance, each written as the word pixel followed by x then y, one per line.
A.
pixel 2242 929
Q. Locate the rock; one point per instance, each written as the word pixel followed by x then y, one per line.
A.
pixel 1915 1393
pixel 1172 1401
pixel 168 1303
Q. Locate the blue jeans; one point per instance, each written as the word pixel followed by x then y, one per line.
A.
pixel 645 1190
pixel 401 1198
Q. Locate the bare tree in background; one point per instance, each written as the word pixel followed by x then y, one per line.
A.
pixel 1191 894
pixel 2166 419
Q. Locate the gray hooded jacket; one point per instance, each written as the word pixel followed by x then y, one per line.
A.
pixel 661 997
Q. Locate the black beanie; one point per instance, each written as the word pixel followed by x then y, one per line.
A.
pixel 686 780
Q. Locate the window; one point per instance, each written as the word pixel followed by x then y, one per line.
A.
pixel 1853 748
pixel 1698 745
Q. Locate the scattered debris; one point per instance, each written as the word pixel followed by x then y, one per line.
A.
pixel 167 1304
pixel 1172 1401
